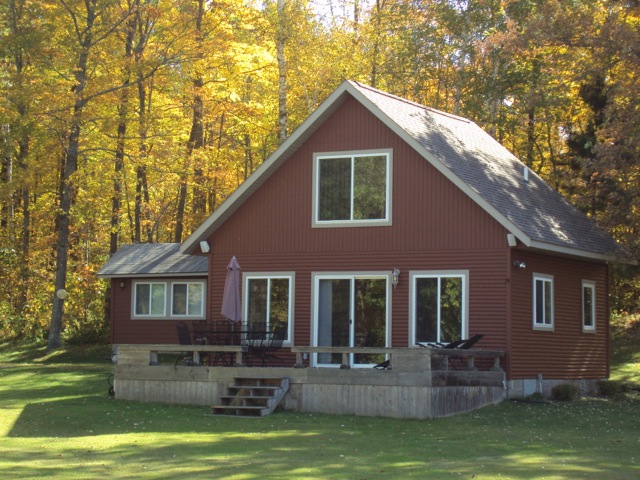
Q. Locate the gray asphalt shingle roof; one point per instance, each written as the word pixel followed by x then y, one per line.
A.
pixel 469 157
pixel 154 259
pixel 487 169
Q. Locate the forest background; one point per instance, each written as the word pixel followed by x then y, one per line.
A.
pixel 131 120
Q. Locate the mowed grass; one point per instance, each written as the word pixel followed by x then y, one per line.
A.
pixel 625 345
pixel 57 421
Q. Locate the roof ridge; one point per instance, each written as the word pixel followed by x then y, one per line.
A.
pixel 411 102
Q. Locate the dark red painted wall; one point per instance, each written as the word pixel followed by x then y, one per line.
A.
pixel 435 227
pixel 567 351
pixel 124 329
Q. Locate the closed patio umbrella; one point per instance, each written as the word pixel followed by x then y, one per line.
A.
pixel 231 305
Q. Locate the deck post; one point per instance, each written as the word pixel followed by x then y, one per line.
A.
pixel 471 363
pixel 496 364
pixel 345 360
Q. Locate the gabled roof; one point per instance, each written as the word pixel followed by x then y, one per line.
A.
pixel 154 260
pixel 469 157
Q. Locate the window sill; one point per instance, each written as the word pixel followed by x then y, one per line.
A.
pixel 543 328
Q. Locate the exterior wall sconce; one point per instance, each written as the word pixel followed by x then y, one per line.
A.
pixel 123 284
pixel 519 264
pixel 395 277
pixel 204 246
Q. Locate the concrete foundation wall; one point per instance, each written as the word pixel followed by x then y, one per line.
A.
pixel 364 392
pixel 526 387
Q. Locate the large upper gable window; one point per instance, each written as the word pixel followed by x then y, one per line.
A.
pixel 352 188
pixel 169 299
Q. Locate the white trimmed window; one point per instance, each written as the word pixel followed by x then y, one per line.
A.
pixel 588 306
pixel 169 299
pixel 187 299
pixel 269 302
pixel 542 301
pixel 352 188
pixel 439 306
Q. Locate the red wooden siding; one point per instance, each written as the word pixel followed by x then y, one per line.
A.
pixel 566 352
pixel 125 329
pixel 435 227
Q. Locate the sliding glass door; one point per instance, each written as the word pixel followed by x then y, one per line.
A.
pixel 351 311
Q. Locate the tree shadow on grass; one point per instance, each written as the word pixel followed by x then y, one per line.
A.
pixel 160 441
pixel 70 412
pixel 20 385
pixel 38 354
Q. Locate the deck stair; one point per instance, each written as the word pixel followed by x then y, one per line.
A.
pixel 252 397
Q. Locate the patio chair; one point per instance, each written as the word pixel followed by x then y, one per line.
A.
pixel 184 337
pixel 265 346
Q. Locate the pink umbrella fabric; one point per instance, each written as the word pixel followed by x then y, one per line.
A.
pixel 231 305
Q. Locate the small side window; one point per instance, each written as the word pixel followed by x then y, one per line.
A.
pixel 588 306
pixel 150 299
pixel 169 299
pixel 542 302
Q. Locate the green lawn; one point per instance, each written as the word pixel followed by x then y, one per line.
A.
pixel 625 343
pixel 57 421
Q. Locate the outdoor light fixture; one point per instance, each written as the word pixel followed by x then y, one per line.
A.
pixel 204 246
pixel 395 277
pixel 519 264
pixel 123 284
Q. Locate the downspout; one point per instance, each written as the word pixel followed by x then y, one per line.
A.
pixel 508 310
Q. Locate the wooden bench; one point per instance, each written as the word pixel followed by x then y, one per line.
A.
pixel 150 352
pixel 470 355
pixel 345 351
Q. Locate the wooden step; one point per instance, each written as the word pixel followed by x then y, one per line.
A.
pixel 252 397
pixel 239 411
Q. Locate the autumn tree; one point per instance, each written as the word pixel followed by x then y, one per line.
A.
pixel 92 23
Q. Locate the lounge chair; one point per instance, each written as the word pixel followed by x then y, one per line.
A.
pixel 470 342
pixel 459 344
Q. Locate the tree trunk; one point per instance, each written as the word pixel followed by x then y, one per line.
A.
pixel 21 160
pixel 373 78
pixel 123 109
pixel 196 135
pixel 8 217
pixel 116 199
pixel 142 187
pixel 70 165
pixel 281 40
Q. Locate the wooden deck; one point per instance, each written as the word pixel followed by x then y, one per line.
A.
pixel 421 382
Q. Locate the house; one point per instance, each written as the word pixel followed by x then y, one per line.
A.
pixel 383 223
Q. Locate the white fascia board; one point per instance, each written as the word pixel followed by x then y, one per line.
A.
pixel 600 257
pixel 441 167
